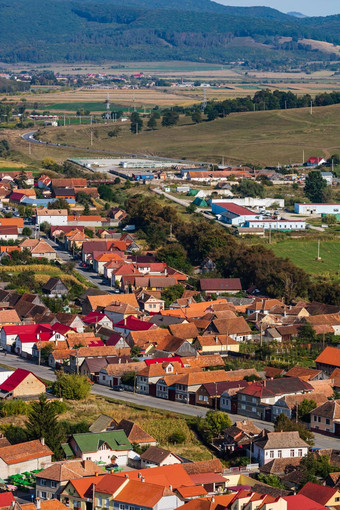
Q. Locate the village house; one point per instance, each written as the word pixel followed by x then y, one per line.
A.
pixel 328 360
pixel 211 344
pixel 55 217
pixel 39 249
pixel 240 435
pixel 21 384
pixel 22 457
pixel 321 494
pixel 277 445
pixel 51 481
pixel 257 399
pixel 113 373
pixel 220 286
pixel 211 394
pixel 150 304
pixel 105 448
pixel 326 418
pixel 156 457
pixel 55 288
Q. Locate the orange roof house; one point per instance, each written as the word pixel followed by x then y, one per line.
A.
pixel 21 457
pixel 328 360
pixel 12 222
pixel 92 303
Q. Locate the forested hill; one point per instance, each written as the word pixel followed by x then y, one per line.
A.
pixel 81 30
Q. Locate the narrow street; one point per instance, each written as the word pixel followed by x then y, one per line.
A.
pixel 146 401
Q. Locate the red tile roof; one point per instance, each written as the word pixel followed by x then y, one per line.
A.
pixel 319 493
pixel 15 379
pixel 133 324
pixel 299 502
pixel 329 356
pixel 236 209
pixel 6 498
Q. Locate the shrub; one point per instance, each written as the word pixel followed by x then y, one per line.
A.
pixel 59 407
pixel 177 437
pixel 14 408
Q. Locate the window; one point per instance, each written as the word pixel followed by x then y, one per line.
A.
pixel 327 421
pixel 337 499
pixel 43 495
pixel 279 454
pixel 42 481
pixel 205 399
pixel 299 452
pixel 271 454
pixel 107 503
pixel 292 453
pixel 100 501
pixel 200 397
pixel 319 419
pixel 314 418
pixel 53 484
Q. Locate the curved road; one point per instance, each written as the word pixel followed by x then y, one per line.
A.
pixel 29 137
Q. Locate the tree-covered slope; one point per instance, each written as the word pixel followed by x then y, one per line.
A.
pixel 60 30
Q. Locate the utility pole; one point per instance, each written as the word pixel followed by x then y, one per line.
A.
pixel 303 156
pixel 311 107
pixel 64 120
pixel 39 348
pixel 91 136
pixel 29 148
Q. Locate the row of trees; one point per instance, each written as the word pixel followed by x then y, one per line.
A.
pixel 197 240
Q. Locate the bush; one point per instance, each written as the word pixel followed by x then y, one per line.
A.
pixel 14 408
pixel 71 387
pixel 15 435
pixel 177 437
pixel 59 407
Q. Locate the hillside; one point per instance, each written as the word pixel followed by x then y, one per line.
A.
pixel 60 30
pixel 259 138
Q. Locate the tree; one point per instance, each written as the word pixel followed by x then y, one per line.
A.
pixel 213 424
pixel 60 203
pixel 46 351
pixel 4 148
pixel 249 188
pixel 284 424
pixel 128 379
pixel 152 122
pixel 305 408
pixel 315 187
pixel 135 351
pixel 191 208
pixel 170 118
pixel 306 333
pixel 26 231
pixel 329 219
pixel 272 480
pixel 105 192
pixel 86 210
pixel 136 123
pixel 177 437
pixel 170 294
pixel 42 423
pixel 72 387
pixel 196 117
pixel 114 132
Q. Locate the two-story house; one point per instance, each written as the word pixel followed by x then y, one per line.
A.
pixel 278 445
pixel 326 418
pixel 257 399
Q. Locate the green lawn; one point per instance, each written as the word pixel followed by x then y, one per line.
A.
pixel 91 106
pixel 304 253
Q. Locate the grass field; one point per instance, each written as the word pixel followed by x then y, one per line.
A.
pixel 91 106
pixel 304 253
pixel 259 138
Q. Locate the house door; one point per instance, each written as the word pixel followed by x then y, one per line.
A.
pixel 192 399
pixel 172 394
pixel 268 414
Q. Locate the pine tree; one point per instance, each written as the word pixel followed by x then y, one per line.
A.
pixel 42 423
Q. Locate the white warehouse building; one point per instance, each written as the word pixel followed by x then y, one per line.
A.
pixel 276 224
pixel 317 208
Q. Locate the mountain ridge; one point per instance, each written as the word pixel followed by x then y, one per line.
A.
pixel 97 30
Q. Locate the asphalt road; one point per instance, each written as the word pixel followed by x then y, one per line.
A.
pixel 146 401
pixel 29 137
pixel 91 276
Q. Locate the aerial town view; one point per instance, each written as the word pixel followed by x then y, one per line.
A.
pixel 169 255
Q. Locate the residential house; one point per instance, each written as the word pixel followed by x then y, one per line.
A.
pixel 240 435
pixel 328 360
pixel 228 398
pixel 322 494
pixel 39 249
pixel 55 217
pixel 117 340
pixel 257 399
pixel 10 333
pixel 211 394
pixel 131 323
pixel 220 286
pixel 44 182
pixel 69 183
pixel 77 356
pixel 235 327
pixel 79 493
pixel 91 367
pixel 277 445
pixel 97 319
pixel 55 288
pixel 183 387
pixel 103 423
pixel 105 447
pixel 9 317
pixel 9 233
pixel 93 302
pixel 211 344
pixel 150 304
pixel 22 457
pixel 157 457
pixel 136 435
pixel 112 374
pixel 134 494
pixel 326 418
pixel 51 481
pixel 71 320
pixel 22 384
pixel 149 375
pixel 307 374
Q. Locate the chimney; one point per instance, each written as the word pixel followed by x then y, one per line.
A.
pixel 213 499
pixel 42 440
pixel 216 339
pixel 126 475
pixel 38 503
pixel 170 487
pixel 119 361
pixel 139 475
pixel 142 479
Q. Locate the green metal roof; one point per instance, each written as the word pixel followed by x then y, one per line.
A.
pixel 67 450
pixel 89 442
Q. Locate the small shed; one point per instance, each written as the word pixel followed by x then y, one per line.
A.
pixel 55 288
